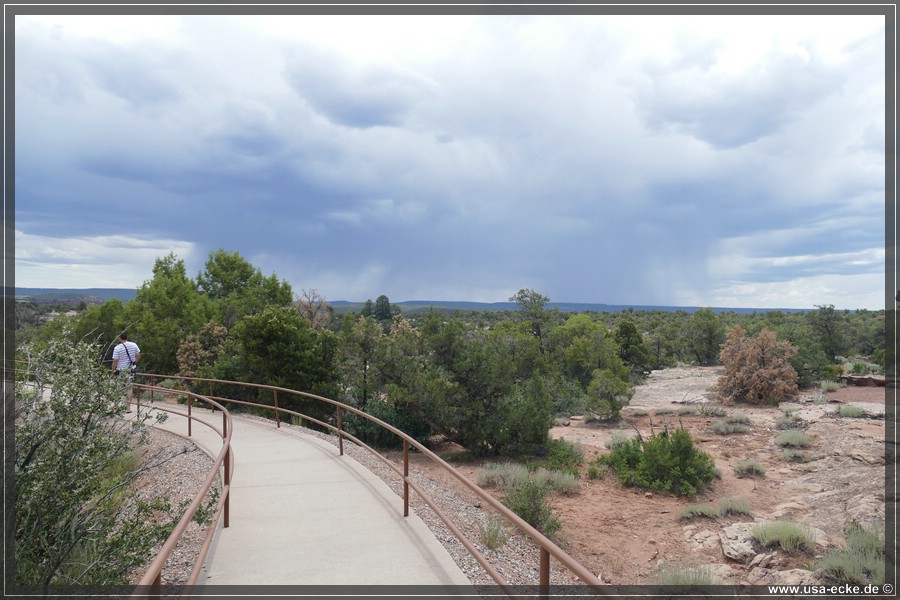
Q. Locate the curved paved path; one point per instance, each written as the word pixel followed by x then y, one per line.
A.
pixel 301 514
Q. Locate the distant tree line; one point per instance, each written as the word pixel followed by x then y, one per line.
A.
pixel 490 381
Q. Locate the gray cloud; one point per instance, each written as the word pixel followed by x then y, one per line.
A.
pixel 573 164
pixel 729 112
pixel 361 96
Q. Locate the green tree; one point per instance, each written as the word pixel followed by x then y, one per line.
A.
pixel 382 311
pixel 633 350
pixel 77 520
pixel 608 393
pixel 358 346
pixel 277 347
pixel 703 336
pixel 532 305
pixel 581 346
pixel 165 310
pixel 825 321
pixel 102 323
pixel 237 288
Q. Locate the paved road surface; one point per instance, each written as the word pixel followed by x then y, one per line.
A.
pixel 301 514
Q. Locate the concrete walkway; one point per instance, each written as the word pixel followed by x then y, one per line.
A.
pixel 301 514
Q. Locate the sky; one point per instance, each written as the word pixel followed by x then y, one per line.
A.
pixel 728 161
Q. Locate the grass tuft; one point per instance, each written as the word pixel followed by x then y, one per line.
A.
pixel 738 418
pixel 709 410
pixel 792 439
pixel 726 428
pixel 787 423
pixel 501 475
pixel 749 468
pixel 687 577
pixel 597 469
pixel 734 506
pixel 788 536
pixel 698 511
pixel 493 532
pixel 618 438
pixel 829 386
pixel 849 410
pixel 792 455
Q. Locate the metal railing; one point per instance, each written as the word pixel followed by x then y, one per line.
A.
pixel 153 577
pixel 547 547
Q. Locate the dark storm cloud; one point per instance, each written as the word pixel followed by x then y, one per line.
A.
pixel 558 154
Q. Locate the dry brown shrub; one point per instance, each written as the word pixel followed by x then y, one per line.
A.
pixel 757 369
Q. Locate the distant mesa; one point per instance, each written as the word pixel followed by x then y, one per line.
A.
pixel 101 295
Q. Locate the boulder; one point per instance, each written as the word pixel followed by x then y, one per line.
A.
pixel 737 542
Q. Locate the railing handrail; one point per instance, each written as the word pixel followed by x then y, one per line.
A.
pixel 153 575
pixel 547 546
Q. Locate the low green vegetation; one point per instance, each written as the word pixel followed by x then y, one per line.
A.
pixel 725 507
pixel 792 455
pixel 597 469
pixel 749 468
pixel 617 439
pixel 829 386
pixel 790 537
pixel 698 511
pixel 787 422
pixel 849 410
pixel 734 506
pixel 501 475
pixel 504 476
pixel 727 428
pixel 556 481
pixel 493 531
pixel 792 439
pixel 686 578
pixel 528 499
pixel 564 456
pixel 78 518
pixel 861 562
pixel 665 462
pixel 711 410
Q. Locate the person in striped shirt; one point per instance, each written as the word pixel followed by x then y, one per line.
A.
pixel 125 358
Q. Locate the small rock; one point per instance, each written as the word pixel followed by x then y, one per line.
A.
pixel 648 495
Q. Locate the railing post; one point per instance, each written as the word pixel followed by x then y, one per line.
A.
pixel 155 586
pixel 405 478
pixel 212 408
pixel 227 475
pixel 138 394
pixel 340 432
pixel 190 403
pixel 545 573
pixel 277 415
